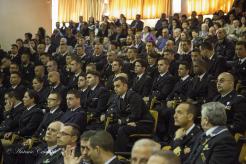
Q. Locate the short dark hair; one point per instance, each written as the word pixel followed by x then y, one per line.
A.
pixel 243 43
pixel 95 73
pixel 142 62
pixel 187 41
pixel 207 45
pixel 13 94
pixel 191 108
pixel 33 95
pixel 74 92
pixel 120 61
pixel 14 45
pixel 76 128
pixel 59 97
pixel 135 50
pixel 196 50
pixel 87 135
pixel 166 61
pixel 102 139
pixel 15 72
pixel 122 79
pixel 186 64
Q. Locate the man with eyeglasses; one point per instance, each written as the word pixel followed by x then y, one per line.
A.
pixel 67 138
pixel 235 104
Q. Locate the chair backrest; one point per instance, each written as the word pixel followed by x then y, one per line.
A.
pixel 155 116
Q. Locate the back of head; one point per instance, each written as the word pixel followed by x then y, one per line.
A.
pixel 164 157
pixel 147 143
pixel 102 139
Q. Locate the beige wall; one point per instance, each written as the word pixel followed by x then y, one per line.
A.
pixel 20 16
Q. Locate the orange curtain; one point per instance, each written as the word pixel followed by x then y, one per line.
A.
pixel 147 8
pixel 154 8
pixel 208 6
pixel 72 9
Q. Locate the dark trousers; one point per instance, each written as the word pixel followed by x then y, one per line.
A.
pixel 121 134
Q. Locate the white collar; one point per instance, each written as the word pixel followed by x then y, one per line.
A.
pixel 201 76
pixel 53 111
pixel 74 109
pixel 189 130
pixel 242 60
pixel 123 96
pixel 110 160
pixel 163 74
pixel 226 94
pixel 83 90
pixel 210 131
pixel 93 88
pixel 139 76
pixel 31 107
pixel 184 78
pixel 17 104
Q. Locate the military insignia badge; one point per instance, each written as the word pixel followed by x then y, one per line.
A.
pixel 187 150
pixel 177 151
pixel 228 105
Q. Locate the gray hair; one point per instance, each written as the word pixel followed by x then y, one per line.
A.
pixel 215 112
pixel 148 144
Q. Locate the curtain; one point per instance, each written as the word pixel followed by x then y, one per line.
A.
pixel 147 8
pixel 154 8
pixel 72 9
pixel 208 6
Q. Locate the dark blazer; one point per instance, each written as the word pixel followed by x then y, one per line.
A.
pixel 220 147
pixel 12 118
pixel 54 158
pixel 83 95
pixel 239 70
pixel 72 82
pixel 235 110
pixel 131 109
pixel 29 121
pixel 181 146
pixel 100 61
pixel 96 100
pixel 216 65
pixel 77 117
pixel 106 71
pixel 43 94
pixel 180 89
pixel 20 90
pixel 137 24
pixel 152 71
pixel 226 49
pixel 162 86
pixel 115 161
pixel 143 85
pixel 48 118
pixel 202 90
pixel 141 47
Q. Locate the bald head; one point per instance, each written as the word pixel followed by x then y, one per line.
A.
pixel 54 78
pixel 52 132
pixel 225 83
pixel 142 150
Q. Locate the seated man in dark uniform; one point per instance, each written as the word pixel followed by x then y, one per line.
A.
pixel 179 92
pixel 216 144
pixel 239 67
pixel 75 114
pixel 235 103
pixel 142 83
pixel 130 115
pixel 13 110
pixel 187 133
pixel 96 100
